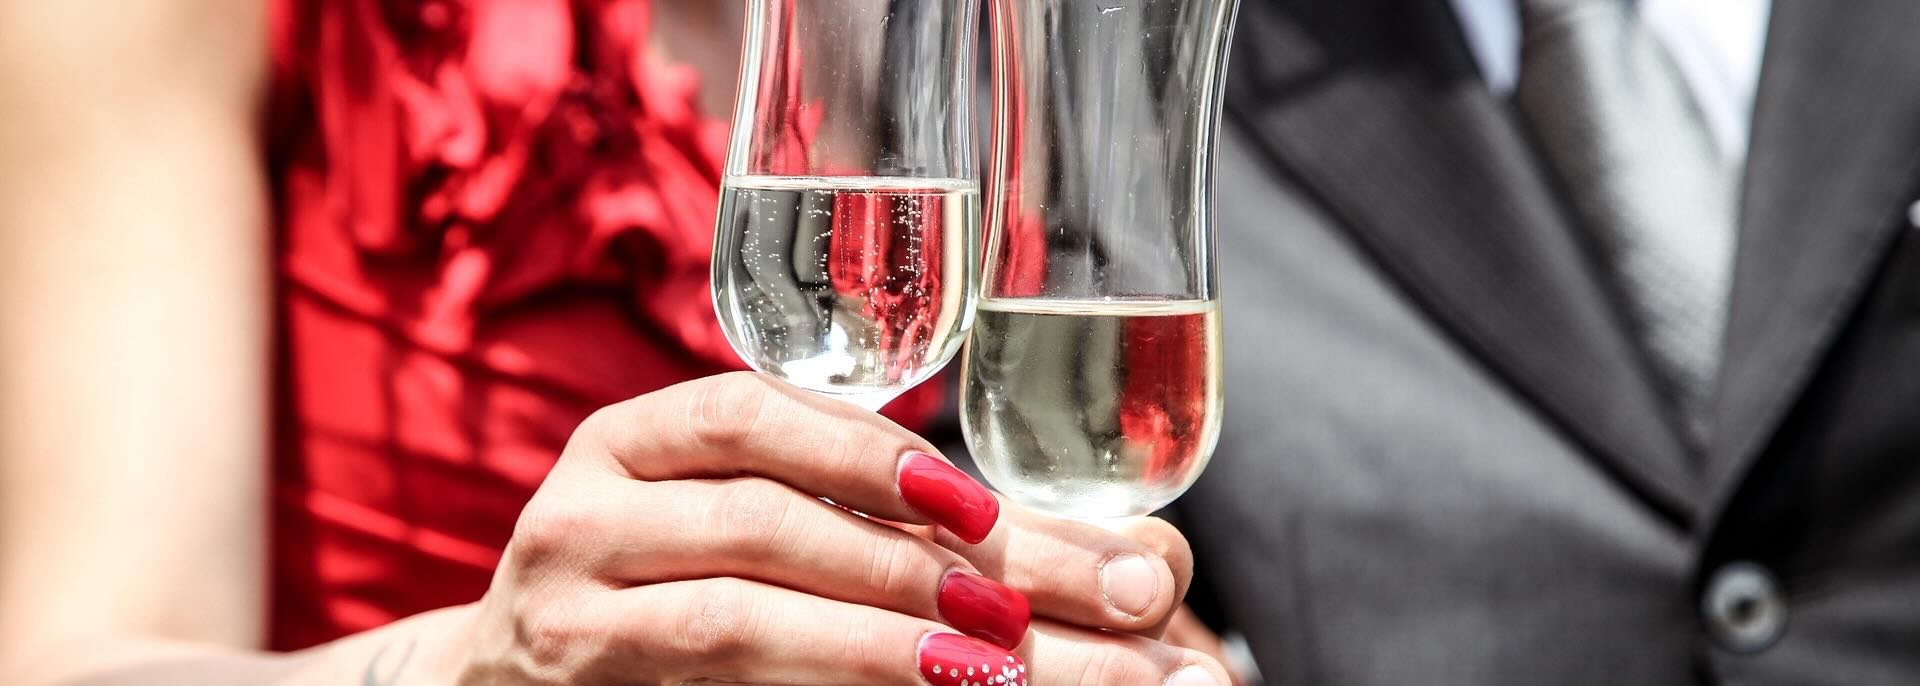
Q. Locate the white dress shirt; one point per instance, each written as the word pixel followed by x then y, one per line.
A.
pixel 1715 43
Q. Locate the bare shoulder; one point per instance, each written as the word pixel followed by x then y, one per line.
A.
pixel 133 325
pixel 203 43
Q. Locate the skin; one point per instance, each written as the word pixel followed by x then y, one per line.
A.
pixel 133 320
pixel 133 350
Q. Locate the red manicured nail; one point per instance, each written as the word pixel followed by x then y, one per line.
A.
pixel 983 608
pixel 952 659
pixel 948 497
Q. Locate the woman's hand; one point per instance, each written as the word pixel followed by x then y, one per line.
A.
pixel 682 537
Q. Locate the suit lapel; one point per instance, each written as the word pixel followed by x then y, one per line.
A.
pixel 1831 170
pixel 1376 107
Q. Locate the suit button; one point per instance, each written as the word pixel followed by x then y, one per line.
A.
pixel 1913 214
pixel 1744 609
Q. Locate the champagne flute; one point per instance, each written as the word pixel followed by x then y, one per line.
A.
pixel 845 254
pixel 1092 380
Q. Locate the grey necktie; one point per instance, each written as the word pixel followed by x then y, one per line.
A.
pixel 1616 122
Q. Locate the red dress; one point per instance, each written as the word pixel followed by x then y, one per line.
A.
pixel 492 217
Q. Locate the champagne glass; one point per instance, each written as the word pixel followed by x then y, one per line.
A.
pixel 845 254
pixel 1092 380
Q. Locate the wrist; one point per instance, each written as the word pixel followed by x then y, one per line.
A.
pixel 427 649
pixel 445 640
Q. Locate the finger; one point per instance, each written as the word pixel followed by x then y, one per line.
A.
pixel 1187 631
pixel 1084 574
pixel 1063 655
pixel 737 631
pixel 767 531
pixel 1171 546
pixel 747 424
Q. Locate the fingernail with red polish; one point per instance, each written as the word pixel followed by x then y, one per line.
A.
pixel 952 660
pixel 948 497
pixel 983 608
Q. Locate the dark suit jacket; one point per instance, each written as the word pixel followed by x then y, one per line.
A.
pixel 1444 461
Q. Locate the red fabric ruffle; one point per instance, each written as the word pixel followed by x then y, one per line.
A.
pixel 492 217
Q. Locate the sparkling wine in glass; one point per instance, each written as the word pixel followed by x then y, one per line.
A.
pixel 1092 379
pixel 845 254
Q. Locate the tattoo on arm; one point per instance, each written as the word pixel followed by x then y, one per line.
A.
pixel 373 678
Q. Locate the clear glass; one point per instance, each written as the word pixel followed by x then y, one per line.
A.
pixel 1092 381
pixel 844 259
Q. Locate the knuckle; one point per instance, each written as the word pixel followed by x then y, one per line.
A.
pixel 846 451
pixel 1052 562
pixel 717 623
pixel 1114 665
pixel 603 427
pixel 865 646
pixel 857 451
pixel 1172 546
pixel 725 408
pixel 612 433
pixel 550 637
pixel 896 566
pixel 750 515
pixel 550 527
pixel 1165 536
